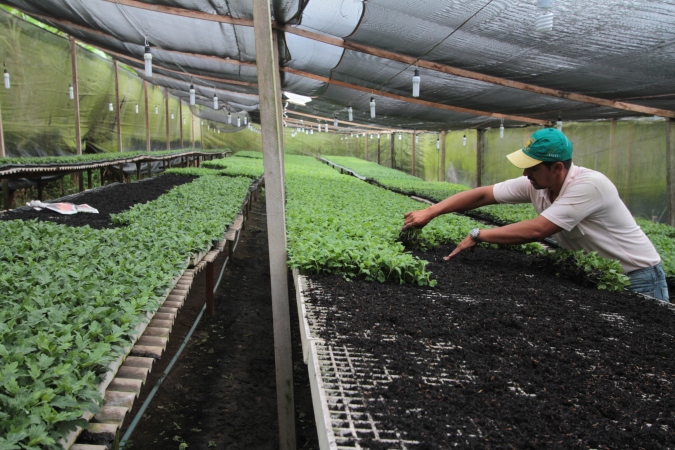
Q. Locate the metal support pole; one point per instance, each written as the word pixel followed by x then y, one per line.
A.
pixel 272 144
pixel 365 138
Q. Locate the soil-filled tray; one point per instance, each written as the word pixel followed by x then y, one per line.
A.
pixel 500 354
pixel 111 199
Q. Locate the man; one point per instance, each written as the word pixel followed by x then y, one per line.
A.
pixel 579 207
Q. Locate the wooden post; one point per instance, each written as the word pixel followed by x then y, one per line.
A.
pixel 280 119
pixel 367 137
pixel 480 144
pixel 180 120
pixel 76 92
pixel 201 132
pixel 613 159
pixel 39 187
pixel 378 149
pixel 272 144
pixel 117 107
pixel 89 180
pixel 147 117
pixel 166 102
pixel 670 171
pixel 441 168
pixel 412 172
pixel 138 171
pixel 392 163
pixel 2 137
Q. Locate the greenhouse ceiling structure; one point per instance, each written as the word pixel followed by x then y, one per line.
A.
pixel 481 63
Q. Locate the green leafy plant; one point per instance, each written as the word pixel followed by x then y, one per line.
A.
pixel 98 157
pixel 604 273
pixel 72 297
pixel 237 166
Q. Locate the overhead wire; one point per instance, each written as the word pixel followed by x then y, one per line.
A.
pixel 156 42
pixel 436 45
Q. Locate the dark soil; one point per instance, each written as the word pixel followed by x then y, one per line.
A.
pixel 110 199
pixel 503 354
pixel 221 392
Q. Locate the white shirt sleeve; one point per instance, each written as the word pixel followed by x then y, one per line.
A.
pixel 579 201
pixel 516 190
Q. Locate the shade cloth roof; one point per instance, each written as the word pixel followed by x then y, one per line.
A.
pixel 347 51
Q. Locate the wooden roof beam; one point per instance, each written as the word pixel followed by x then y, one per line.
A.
pixel 203 77
pixel 84 29
pixel 450 70
pixel 414 100
pixel 185 12
pixel 330 120
pixel 443 68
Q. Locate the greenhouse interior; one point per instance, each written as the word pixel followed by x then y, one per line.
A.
pixel 337 224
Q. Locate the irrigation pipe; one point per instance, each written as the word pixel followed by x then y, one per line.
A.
pixel 161 379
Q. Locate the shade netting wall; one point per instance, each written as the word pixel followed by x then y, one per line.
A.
pixel 630 152
pixel 38 116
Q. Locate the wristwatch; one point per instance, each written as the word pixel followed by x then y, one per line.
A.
pixel 474 234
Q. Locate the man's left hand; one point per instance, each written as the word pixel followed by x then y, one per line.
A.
pixel 467 242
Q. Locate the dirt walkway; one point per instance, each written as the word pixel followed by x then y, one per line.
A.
pixel 221 393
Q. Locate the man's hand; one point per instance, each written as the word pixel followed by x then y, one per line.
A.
pixel 416 219
pixel 467 242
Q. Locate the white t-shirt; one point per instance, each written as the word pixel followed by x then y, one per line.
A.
pixel 591 214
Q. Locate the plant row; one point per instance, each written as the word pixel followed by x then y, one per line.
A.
pixel 340 225
pixel 73 296
pixel 603 272
pixel 237 166
pixel 318 245
pixel 81 159
pixel 249 154
pixel 432 190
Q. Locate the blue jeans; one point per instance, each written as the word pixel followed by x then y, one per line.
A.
pixel 650 281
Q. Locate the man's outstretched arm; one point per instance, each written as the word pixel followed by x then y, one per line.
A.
pixel 513 234
pixel 460 202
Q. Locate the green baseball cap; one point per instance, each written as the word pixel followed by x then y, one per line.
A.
pixel 547 144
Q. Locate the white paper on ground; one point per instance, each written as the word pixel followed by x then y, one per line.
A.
pixel 62 208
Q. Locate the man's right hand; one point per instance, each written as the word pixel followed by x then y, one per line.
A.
pixel 416 219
